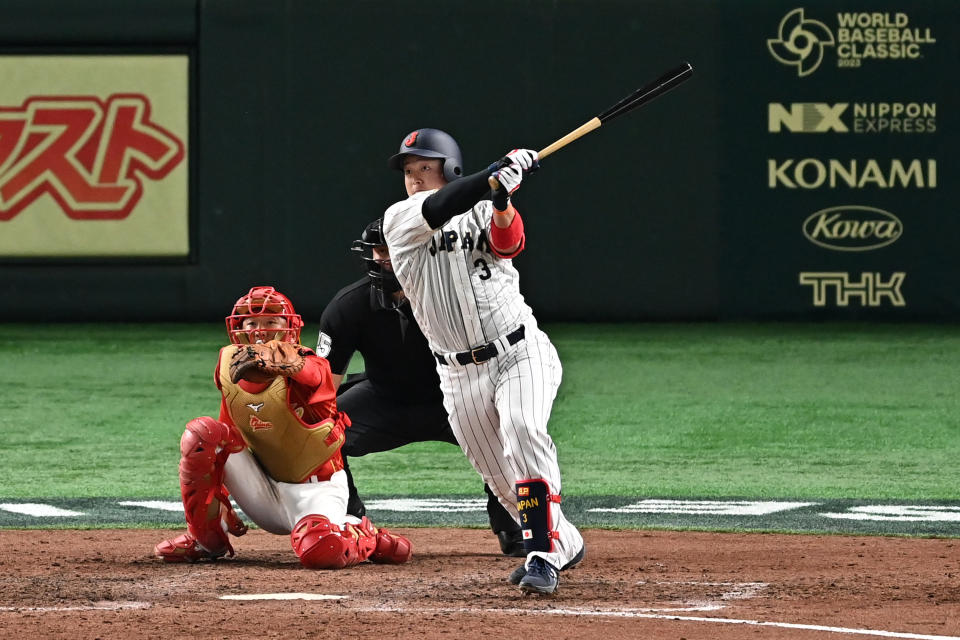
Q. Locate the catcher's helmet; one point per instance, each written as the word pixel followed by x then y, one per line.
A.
pixel 384 281
pixel 263 301
pixel 431 143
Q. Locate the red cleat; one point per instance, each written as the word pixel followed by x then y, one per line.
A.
pixel 184 548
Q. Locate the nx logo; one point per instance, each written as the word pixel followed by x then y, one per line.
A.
pixel 862 117
pixel 870 290
pixel 800 42
pixel 852 228
pixel 88 155
pixel 806 117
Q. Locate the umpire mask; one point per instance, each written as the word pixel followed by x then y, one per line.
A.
pixel 381 274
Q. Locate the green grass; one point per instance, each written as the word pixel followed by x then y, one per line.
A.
pixel 694 410
pixel 761 410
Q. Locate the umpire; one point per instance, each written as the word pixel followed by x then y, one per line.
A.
pixel 397 400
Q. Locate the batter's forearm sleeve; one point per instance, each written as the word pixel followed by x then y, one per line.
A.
pixel 508 237
pixel 454 198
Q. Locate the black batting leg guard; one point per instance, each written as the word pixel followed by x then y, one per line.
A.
pixel 536 520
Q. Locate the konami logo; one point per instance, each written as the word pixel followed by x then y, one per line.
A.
pixel 88 155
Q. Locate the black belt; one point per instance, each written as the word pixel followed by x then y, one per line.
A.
pixel 484 353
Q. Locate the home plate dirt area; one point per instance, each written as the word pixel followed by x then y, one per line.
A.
pixel 632 584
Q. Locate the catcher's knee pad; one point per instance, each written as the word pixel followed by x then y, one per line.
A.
pixel 320 544
pixel 204 448
pixel 536 521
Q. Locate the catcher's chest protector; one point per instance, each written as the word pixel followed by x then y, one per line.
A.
pixel 288 448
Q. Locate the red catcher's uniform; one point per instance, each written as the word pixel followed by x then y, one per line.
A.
pixel 276 450
pixel 291 425
pixel 292 466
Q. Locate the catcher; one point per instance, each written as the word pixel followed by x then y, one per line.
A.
pixel 275 448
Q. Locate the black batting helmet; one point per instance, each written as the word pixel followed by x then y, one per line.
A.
pixel 384 281
pixel 431 143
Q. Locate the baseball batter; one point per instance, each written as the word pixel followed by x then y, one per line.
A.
pixel 452 242
pixel 397 399
pixel 275 448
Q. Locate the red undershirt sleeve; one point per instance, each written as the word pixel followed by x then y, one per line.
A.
pixel 315 380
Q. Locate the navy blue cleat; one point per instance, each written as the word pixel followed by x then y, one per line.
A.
pixel 517 574
pixel 541 577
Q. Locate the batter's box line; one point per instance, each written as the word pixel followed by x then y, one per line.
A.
pixel 97 606
pixel 623 612
pixel 663 615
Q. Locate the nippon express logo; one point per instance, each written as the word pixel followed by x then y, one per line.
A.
pixel 857 117
pixel 803 42
pixel 91 156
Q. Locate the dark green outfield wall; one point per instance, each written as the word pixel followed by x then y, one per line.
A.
pixel 698 206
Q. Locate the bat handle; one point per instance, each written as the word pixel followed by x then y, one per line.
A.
pixel 582 130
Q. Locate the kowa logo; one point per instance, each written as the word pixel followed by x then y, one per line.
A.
pixel 802 42
pixel 88 155
pixel 852 228
pixel 813 173
pixel 863 117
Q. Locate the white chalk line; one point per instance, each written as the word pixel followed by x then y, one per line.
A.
pixel 97 606
pixel 646 613
pixel 282 596
pixel 741 591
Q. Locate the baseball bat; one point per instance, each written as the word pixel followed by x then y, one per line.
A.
pixel 641 96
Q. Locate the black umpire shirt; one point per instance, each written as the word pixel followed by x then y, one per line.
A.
pixel 396 356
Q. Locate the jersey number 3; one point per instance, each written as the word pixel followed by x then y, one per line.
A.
pixel 480 263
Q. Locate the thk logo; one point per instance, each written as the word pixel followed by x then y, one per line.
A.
pixel 870 289
pixel 89 155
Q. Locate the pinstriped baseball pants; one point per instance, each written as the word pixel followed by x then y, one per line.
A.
pixel 499 412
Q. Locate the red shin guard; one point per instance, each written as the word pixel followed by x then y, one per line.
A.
pixel 204 448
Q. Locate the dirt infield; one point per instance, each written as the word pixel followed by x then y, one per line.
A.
pixel 633 584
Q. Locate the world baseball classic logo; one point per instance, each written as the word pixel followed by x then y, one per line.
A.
pixel 89 155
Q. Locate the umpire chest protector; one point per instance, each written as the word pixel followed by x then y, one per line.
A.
pixel 287 447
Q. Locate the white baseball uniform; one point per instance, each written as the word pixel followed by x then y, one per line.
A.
pixel 464 296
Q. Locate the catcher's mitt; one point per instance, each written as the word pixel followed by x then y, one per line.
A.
pixel 264 362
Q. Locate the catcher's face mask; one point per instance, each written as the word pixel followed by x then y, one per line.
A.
pixel 263 314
